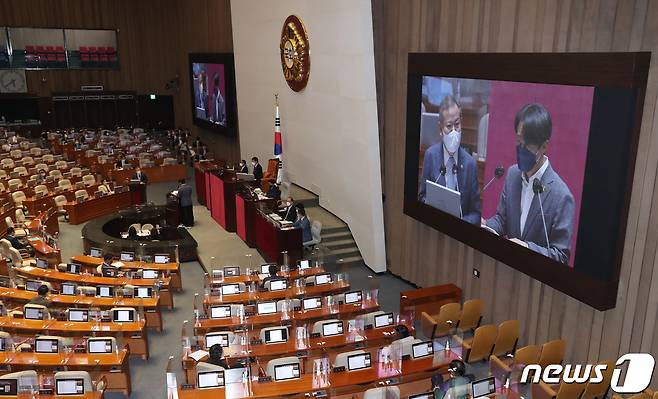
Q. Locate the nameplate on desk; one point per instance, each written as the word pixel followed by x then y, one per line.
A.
pixel 203 317
pixel 18 316
pixel 339 369
pixel 265 379
pixel 319 394
pixel 105 319
pixel 359 345
pixel 406 357
pixel 256 342
pixel 187 387
pixel 46 391
pixel 54 292
pixel 297 308
pixel 248 314
pixel 302 354
pixel 368 327
pixel 315 335
pixel 195 347
pixel 26 349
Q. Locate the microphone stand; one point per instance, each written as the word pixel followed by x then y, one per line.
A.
pixel 538 188
pixel 498 173
pixel 454 172
pixel 442 172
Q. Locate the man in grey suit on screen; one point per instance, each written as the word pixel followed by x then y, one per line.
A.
pixel 449 165
pixel 518 215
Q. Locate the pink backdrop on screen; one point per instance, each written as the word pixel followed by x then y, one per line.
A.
pixel 570 108
pixel 211 69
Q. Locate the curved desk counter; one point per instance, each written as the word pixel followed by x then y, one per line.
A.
pixel 134 333
pixel 171 268
pixel 57 277
pixel 151 307
pixel 105 233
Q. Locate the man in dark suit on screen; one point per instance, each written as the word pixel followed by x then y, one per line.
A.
pixel 448 164
pixel 519 215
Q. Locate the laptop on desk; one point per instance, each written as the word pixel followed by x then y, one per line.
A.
pixel 443 198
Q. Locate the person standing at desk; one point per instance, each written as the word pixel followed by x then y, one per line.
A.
pixel 258 170
pixel 242 167
pixel 186 209
pixel 141 176
pixel 41 298
pixel 519 217
pixel 303 223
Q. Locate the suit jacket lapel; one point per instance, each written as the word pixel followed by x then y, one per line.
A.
pixel 514 214
pixel 534 214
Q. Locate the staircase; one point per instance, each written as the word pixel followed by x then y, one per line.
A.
pixel 341 245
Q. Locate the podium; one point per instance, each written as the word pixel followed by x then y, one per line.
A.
pixel 172 210
pixel 137 192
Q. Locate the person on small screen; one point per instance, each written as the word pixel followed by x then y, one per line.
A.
pixel 242 167
pixel 518 215
pixel 258 170
pixel 219 112
pixel 449 165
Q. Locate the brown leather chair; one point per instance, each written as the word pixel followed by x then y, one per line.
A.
pixel 471 314
pixel 508 336
pixel 270 174
pixel 480 347
pixel 600 390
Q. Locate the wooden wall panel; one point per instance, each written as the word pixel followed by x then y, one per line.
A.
pixel 424 256
pixel 155 37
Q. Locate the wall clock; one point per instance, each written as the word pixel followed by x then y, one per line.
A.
pixel 12 81
pixel 295 53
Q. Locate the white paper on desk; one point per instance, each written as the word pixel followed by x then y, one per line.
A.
pixel 118 264
pixel 198 355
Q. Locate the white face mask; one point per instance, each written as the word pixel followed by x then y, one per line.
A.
pixel 451 141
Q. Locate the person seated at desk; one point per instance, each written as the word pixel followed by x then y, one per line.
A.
pixel 41 176
pixel 273 269
pixel 11 237
pixel 303 223
pixel 41 298
pixel 258 170
pixel 132 233
pixel 141 176
pixel 274 191
pixel 107 270
pixel 457 386
pixel 242 167
pixel 121 162
pixel 287 210
pixel 216 356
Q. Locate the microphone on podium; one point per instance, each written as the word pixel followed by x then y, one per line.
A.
pixel 442 172
pixel 454 172
pixel 538 189
pixel 498 173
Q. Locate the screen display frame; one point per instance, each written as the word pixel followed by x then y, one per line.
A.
pixel 219 373
pixel 230 285
pixel 78 382
pixel 220 307
pixel 622 81
pixel 489 381
pixel 94 250
pixel 230 99
pixel 367 355
pixel 281 366
pixel 99 291
pixel 284 335
pixel 427 344
pixel 138 290
pixel 53 344
pixel 161 259
pixel 389 316
pixel 84 312
pixel 339 331
pixel 105 343
pixel 225 338
pixel 115 315
pixel 359 299
pixel 127 256
pixel 260 306
pixel 68 285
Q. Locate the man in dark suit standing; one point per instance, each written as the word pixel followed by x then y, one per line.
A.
pixel 121 162
pixel 287 210
pixel 518 215
pixel 242 167
pixel 258 170
pixel 185 197
pixel 141 176
pixel 448 164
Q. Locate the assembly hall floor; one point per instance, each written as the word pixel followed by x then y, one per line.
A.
pixel 218 247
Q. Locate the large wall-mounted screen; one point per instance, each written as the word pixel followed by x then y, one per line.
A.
pixel 529 159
